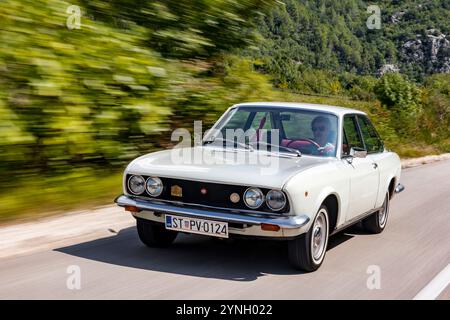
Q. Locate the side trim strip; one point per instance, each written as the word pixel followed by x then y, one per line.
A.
pixel 355 220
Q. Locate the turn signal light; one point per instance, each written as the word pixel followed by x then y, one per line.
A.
pixel 269 227
pixel 132 209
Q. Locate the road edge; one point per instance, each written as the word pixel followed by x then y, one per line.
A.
pixel 415 162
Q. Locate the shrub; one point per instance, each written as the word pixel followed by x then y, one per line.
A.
pixel 401 97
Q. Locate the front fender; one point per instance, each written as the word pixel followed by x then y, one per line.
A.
pixel 308 189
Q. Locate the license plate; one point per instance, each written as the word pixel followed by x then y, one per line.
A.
pixel 199 226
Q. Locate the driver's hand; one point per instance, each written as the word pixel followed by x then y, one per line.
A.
pixel 328 148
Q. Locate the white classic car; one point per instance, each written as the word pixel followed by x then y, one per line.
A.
pixel 287 171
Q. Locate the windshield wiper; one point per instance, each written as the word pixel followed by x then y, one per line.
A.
pixel 249 147
pixel 299 154
pixel 246 146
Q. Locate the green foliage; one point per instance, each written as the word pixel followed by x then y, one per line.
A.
pixel 206 94
pixel 402 98
pixel 436 104
pixel 185 28
pixel 332 35
pixel 100 95
pixel 77 189
pixel 394 90
pixel 358 87
pixel 74 96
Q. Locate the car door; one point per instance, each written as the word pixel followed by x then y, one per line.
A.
pixel 375 151
pixel 363 172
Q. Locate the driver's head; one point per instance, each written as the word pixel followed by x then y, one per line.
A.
pixel 320 127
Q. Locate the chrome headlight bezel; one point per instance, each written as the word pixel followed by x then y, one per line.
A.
pixel 279 193
pixel 131 189
pixel 256 191
pixel 160 186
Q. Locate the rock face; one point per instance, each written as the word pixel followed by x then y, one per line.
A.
pixel 388 68
pixel 432 48
pixel 414 49
pixel 437 42
pixel 397 16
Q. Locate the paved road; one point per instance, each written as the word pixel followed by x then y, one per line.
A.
pixel 413 249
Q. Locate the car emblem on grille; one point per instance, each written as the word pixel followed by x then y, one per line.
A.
pixel 176 191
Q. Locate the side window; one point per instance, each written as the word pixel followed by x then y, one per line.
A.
pixel 262 120
pixel 352 139
pixel 370 136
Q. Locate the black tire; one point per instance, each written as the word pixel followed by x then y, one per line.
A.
pixel 301 249
pixel 155 235
pixel 376 222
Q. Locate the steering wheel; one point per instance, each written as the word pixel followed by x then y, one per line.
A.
pixel 317 149
pixel 310 141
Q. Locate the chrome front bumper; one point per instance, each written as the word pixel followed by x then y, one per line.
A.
pixel 151 210
pixel 399 188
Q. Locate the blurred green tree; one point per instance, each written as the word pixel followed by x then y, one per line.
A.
pixel 185 29
pixel 74 97
pixel 402 98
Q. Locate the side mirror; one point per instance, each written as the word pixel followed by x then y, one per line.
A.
pixel 358 153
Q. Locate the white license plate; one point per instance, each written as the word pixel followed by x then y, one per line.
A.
pixel 199 226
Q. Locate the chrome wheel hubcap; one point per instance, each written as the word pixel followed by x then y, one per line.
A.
pixel 383 213
pixel 319 236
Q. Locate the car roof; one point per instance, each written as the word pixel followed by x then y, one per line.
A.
pixel 304 106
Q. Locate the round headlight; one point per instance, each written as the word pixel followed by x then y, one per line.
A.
pixel 136 184
pixel 253 198
pixel 275 200
pixel 154 186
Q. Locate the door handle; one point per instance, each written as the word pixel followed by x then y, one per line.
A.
pixel 375 165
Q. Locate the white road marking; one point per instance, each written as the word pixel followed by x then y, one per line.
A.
pixel 433 289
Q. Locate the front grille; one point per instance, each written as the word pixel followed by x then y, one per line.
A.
pixel 217 195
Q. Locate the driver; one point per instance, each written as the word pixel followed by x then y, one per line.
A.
pixel 320 127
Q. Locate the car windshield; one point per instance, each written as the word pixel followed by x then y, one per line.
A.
pixel 284 129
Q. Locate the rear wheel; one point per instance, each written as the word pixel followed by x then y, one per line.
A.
pixel 376 222
pixel 155 235
pixel 308 251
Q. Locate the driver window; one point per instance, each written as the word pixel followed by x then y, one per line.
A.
pixel 373 143
pixel 352 138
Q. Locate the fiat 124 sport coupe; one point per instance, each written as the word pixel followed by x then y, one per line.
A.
pixel 318 170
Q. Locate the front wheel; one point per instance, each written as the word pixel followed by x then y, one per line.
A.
pixel 376 222
pixel 155 235
pixel 308 251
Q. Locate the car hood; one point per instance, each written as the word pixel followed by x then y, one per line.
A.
pixel 228 166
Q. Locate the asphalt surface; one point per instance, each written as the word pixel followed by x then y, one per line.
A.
pixel 414 248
